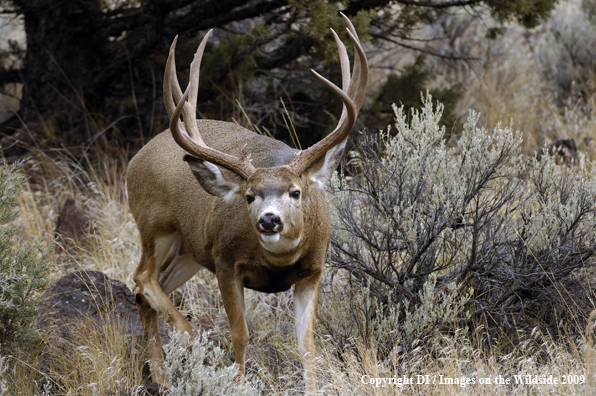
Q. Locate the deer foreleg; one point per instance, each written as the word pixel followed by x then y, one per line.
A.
pixel 232 294
pixel 306 297
pixel 159 255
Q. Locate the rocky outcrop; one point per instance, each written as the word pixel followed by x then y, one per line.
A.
pixel 90 296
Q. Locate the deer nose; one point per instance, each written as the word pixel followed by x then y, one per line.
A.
pixel 269 221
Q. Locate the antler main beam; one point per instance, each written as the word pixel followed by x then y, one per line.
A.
pixel 188 136
pixel 354 89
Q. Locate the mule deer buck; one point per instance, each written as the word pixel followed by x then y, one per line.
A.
pixel 212 194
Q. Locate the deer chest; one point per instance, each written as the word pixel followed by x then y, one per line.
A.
pixel 273 280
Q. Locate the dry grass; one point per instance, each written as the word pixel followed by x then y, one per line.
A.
pixel 112 245
pixel 95 358
pixel 541 80
pixel 92 356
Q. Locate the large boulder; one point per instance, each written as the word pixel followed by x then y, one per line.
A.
pixel 90 296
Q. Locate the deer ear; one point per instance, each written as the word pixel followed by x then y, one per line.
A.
pixel 212 179
pixel 320 171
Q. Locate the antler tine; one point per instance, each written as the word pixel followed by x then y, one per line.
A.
pixel 171 86
pixel 189 112
pixel 348 115
pixel 352 95
pixel 188 136
pixel 175 85
pixel 195 67
pixel 241 166
pixel 359 74
pixel 304 158
pixel 167 80
pixel 360 65
pixel 344 62
pixel 350 27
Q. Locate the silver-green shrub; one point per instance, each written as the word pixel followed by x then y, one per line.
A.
pixel 391 326
pixel 3 370
pixel 23 271
pixel 473 212
pixel 565 48
pixel 195 366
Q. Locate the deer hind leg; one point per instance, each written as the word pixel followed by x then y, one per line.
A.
pixel 151 299
pixel 150 321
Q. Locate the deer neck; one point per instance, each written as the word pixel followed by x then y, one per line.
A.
pixel 283 252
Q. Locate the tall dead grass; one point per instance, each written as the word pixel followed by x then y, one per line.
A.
pixel 94 358
pixel 112 242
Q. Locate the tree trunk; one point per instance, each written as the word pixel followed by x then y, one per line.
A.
pixel 66 47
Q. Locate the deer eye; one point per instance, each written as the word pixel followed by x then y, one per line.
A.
pixel 250 198
pixel 295 194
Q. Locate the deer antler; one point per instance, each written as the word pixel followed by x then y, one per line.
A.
pixel 354 89
pixel 188 136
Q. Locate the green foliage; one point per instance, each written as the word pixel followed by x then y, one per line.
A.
pixel 405 89
pixel 529 13
pixel 23 271
pixel 194 367
pixel 224 65
pixel 323 15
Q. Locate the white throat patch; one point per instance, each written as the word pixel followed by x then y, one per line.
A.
pixel 276 244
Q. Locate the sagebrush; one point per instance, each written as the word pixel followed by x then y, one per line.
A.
pixel 197 367
pixel 477 216
pixel 23 270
